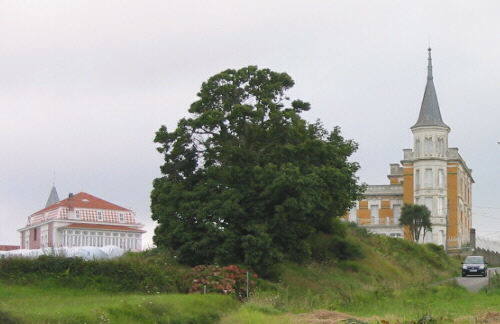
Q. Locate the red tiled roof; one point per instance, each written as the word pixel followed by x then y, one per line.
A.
pixel 9 247
pixel 104 227
pixel 83 200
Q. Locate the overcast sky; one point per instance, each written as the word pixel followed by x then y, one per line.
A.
pixel 84 85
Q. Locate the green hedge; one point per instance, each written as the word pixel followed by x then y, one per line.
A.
pixel 149 274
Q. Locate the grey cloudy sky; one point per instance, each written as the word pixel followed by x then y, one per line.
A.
pixel 85 84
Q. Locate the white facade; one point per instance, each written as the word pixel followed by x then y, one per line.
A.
pixel 430 165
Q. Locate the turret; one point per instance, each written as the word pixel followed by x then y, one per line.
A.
pixel 430 132
pixel 430 152
pixel 53 197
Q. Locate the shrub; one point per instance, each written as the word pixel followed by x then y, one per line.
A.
pixel 229 280
pixel 6 318
pixel 129 273
pixel 328 247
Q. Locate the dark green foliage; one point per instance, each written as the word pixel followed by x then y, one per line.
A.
pixel 246 180
pixel 334 246
pixel 416 218
pixel 6 318
pixel 129 273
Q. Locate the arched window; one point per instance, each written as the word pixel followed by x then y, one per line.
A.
pixel 440 146
pixel 441 178
pixel 417 179
pixel 428 183
pixel 428 145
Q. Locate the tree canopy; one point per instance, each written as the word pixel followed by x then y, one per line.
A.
pixel 417 218
pixel 245 178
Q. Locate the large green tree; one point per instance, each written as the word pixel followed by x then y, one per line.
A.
pixel 245 178
pixel 417 218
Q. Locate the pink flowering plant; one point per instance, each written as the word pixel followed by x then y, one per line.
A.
pixel 228 280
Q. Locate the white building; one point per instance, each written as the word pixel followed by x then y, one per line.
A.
pixel 81 220
pixel 431 174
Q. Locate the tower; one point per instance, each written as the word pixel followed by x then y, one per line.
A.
pixel 430 155
pixel 431 174
pixel 53 197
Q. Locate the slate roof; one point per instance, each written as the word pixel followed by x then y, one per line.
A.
pixel 430 115
pixel 53 197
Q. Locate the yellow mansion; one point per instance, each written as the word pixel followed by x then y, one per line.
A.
pixel 430 174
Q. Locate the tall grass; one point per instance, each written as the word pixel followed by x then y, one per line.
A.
pixel 62 305
pixel 388 266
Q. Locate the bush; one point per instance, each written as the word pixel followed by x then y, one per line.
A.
pixel 330 247
pixel 129 273
pixel 229 280
pixel 6 318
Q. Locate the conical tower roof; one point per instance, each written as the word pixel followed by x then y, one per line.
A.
pixel 53 197
pixel 430 115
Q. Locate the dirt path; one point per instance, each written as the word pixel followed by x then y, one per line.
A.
pixel 326 317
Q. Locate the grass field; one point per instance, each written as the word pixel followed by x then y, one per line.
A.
pixel 20 304
pixel 395 280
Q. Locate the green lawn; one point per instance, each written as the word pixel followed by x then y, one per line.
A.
pixel 60 305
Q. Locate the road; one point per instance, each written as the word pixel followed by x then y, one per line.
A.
pixel 474 284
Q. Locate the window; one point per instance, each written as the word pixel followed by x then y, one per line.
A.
pixel 428 203
pixel 352 215
pixel 428 178
pixel 122 218
pixel 441 178
pixel 440 206
pixel 428 145
pixel 440 146
pixel 374 213
pixel 35 234
pixel 99 215
pixel 417 147
pixel 396 209
pixel 417 179
pixel 77 214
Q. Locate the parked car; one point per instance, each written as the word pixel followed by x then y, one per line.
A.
pixel 474 265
